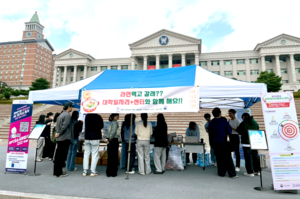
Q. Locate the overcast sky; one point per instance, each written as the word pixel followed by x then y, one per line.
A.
pixel 104 28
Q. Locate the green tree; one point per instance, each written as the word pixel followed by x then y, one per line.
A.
pixel 1 96
pixel 234 78
pixel 39 84
pixel 273 82
pixel 15 93
pixel 24 92
pixel 7 95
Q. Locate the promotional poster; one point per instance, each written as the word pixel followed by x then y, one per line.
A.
pixel 18 144
pixel 282 132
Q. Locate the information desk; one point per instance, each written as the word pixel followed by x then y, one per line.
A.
pixel 194 148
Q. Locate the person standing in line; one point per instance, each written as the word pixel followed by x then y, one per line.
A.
pixel 143 132
pixel 251 156
pixel 219 129
pixel 160 145
pixel 192 130
pixel 93 134
pixel 125 131
pixel 235 137
pixel 113 146
pixel 49 145
pixel 123 160
pixel 41 140
pixel 63 138
pixel 52 130
pixel 77 128
pixel 213 159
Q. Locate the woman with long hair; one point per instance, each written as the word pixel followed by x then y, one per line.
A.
pixel 113 146
pixel 161 144
pixel 77 127
pixel 125 131
pixel 143 130
pixel 41 140
pixel 49 146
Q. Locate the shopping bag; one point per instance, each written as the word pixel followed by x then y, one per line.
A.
pixel 200 159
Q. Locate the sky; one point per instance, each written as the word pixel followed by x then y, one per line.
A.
pixel 104 28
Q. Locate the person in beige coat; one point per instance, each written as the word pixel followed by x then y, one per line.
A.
pixel 143 130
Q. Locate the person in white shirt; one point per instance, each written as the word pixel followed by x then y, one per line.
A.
pixel 143 130
pixel 235 138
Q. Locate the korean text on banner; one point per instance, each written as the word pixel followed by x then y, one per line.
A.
pixel 282 133
pixel 149 100
pixel 17 149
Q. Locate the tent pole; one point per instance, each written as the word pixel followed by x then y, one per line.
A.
pixel 129 148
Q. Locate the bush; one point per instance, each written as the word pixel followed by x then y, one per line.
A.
pixel 7 95
pixel 1 96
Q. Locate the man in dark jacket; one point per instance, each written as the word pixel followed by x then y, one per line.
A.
pixel 63 137
pixel 251 156
pixel 219 129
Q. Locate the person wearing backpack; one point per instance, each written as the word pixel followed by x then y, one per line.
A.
pixel 52 129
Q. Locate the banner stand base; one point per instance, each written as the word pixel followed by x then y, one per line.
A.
pixel 34 174
pixel 7 172
pixel 262 189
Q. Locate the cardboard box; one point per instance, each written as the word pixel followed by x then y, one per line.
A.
pixel 102 158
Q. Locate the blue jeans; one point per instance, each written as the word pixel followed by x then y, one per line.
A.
pixel 72 155
pixel 123 156
pixel 212 156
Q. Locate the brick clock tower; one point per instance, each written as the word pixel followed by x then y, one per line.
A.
pixel 33 29
pixel 24 61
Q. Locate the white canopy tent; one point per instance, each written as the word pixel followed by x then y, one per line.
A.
pixel 214 90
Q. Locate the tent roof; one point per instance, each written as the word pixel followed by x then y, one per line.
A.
pixel 211 86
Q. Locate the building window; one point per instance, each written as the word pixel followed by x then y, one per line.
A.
pixel 227 62
pixel 298 81
pixel 268 60
pixel 71 79
pixel 297 70
pixel 216 72
pixel 72 69
pixel 103 67
pixel 228 73
pixel 114 67
pixel 240 61
pixel 124 67
pixel 241 72
pixel 285 81
pixel 282 59
pixel 215 63
pixel 94 68
pixel 203 63
pixel 297 58
pixel 62 70
pixel 253 61
pixel 151 63
pixel 61 79
pixel 82 69
pixel 254 72
pixel 81 78
pixel 283 71
pixel 188 62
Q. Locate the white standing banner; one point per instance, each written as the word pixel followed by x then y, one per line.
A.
pixel 282 130
pixel 148 100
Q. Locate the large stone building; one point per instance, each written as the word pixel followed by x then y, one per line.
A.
pixel 167 49
pixel 21 62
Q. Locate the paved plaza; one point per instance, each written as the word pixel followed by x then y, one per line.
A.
pixel 191 183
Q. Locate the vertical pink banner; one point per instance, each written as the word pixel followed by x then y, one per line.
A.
pixel 18 144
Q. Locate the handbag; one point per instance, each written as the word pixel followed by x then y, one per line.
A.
pixel 52 135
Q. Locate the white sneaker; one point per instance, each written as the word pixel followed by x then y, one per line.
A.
pixel 39 160
pixel 130 172
pixel 93 174
pixel 215 165
pixel 249 175
pixel 75 169
pixel 50 159
pixel 257 174
pixel 237 169
pixel 234 177
pixel 196 164
pixel 189 163
pixel 84 173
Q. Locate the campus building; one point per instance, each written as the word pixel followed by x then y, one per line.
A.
pixel 167 49
pixel 21 62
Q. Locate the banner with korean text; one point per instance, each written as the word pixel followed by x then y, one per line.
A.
pixel 148 100
pixel 17 149
pixel 282 131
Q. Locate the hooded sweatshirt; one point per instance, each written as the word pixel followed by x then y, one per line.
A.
pixel 218 130
pixel 247 124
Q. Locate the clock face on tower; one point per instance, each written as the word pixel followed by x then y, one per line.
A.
pixel 28 34
pixel 39 36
